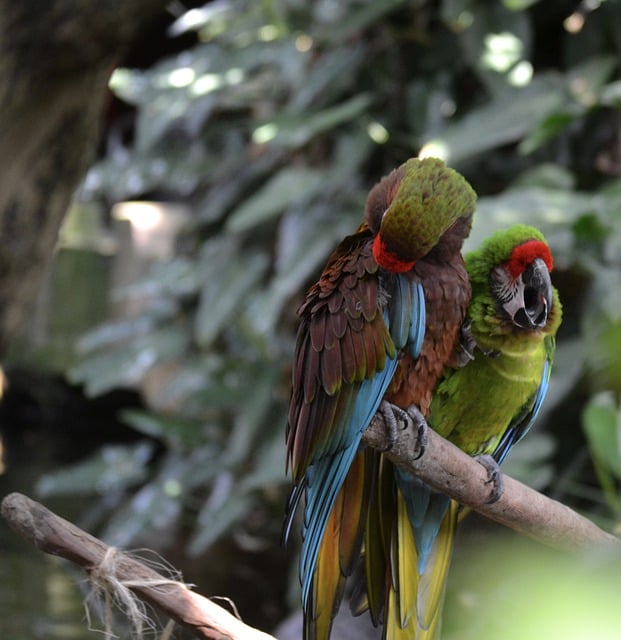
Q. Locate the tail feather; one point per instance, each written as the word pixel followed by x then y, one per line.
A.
pixel 406 578
pixel 432 583
pixel 426 510
pixel 415 598
pixel 339 551
pixel 380 524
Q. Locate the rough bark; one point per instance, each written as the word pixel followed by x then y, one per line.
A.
pixel 55 61
pixel 446 468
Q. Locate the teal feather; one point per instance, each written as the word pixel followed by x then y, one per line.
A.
pixel 405 318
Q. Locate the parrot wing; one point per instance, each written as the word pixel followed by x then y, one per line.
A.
pixel 521 424
pixel 355 322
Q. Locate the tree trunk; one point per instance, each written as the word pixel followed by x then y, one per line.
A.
pixel 55 61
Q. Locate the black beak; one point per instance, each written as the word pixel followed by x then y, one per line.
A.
pixel 537 293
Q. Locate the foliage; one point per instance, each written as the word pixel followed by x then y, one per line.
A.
pixel 532 592
pixel 272 127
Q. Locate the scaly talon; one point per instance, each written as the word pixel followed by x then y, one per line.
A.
pixel 494 476
pixel 418 421
pixel 467 345
pixel 390 412
pixel 410 418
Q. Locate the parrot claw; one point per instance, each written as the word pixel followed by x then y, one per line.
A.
pixel 391 413
pixel 468 344
pixel 494 477
pixel 410 417
pixel 420 424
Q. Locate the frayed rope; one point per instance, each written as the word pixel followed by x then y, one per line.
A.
pixel 106 587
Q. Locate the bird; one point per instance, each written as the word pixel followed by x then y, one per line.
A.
pixel 484 407
pixel 376 331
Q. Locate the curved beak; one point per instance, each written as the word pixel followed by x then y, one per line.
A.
pixel 533 299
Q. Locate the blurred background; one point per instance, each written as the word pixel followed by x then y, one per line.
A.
pixel 145 397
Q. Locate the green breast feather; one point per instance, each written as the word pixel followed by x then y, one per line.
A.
pixel 474 405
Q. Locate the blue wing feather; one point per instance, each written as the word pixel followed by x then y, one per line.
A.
pixel 417 324
pixel 520 426
pixel 325 477
pixel 426 510
pixel 405 318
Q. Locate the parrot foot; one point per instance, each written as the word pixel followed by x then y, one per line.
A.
pixel 468 344
pixel 391 414
pixel 494 477
pixel 419 423
pixel 409 418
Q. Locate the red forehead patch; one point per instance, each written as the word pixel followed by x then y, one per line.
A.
pixel 525 253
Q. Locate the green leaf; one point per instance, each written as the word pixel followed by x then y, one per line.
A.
pixel 268 468
pixel 306 237
pixel 226 504
pixel 112 468
pixel 228 279
pixel 550 210
pixel 588 228
pixel 357 18
pixel 530 460
pixel 605 358
pixel 601 421
pixel 288 187
pixel 175 431
pixel 548 176
pixel 519 5
pixel 547 129
pixel 507 118
pixel 251 417
pixel 587 79
pixel 297 129
pixel 126 365
pixel 610 95
pixel 320 83
pixel 153 508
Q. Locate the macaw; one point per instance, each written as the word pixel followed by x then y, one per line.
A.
pixel 484 408
pixel 375 334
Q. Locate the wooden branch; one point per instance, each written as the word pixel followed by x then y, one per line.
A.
pixel 448 469
pixel 52 534
pixel 442 465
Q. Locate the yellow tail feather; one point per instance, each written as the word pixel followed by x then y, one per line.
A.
pixel 414 601
pixel 338 552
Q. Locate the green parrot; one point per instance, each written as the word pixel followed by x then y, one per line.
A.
pixel 483 407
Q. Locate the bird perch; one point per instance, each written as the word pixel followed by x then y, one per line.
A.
pixel 449 470
pixel 442 465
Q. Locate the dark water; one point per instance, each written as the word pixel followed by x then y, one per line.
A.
pixel 38 598
pixel 44 427
pixel 41 596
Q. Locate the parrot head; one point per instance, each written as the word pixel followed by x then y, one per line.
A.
pixel 514 268
pixel 412 207
pixel 522 285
